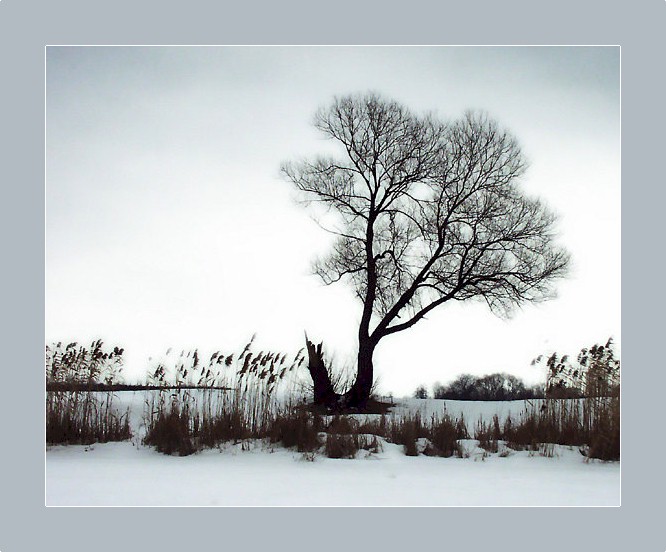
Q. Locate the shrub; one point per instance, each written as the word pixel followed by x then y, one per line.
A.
pixel 488 435
pixel 372 445
pixel 340 445
pixel 375 426
pixel 297 429
pixel 171 432
pixel 343 425
pixel 443 436
pixel 405 431
pixel 221 427
pixel 421 392
pixel 347 445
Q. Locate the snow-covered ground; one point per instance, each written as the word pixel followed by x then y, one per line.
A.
pixel 128 474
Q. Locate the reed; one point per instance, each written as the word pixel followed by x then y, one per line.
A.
pixel 76 412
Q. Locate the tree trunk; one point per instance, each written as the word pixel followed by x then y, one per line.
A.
pixel 358 395
pixel 324 394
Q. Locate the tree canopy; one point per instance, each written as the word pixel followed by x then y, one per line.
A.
pixel 426 211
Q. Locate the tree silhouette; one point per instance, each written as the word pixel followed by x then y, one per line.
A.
pixel 425 212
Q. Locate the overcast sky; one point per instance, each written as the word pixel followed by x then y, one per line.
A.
pixel 168 223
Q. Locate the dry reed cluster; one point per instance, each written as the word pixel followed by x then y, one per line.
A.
pixel 75 412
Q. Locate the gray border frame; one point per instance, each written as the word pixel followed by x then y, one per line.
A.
pixel 27 26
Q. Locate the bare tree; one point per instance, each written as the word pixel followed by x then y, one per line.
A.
pixel 425 212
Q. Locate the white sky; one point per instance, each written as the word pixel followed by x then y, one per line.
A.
pixel 168 224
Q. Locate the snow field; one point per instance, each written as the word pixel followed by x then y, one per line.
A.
pixel 258 474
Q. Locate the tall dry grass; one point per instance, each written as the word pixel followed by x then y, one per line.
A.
pixel 246 396
pixel 82 415
pixel 203 403
pixel 592 423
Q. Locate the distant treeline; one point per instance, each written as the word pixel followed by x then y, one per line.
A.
pixel 492 387
pixel 594 372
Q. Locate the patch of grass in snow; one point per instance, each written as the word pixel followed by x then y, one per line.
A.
pixel 444 435
pixel 297 429
pixel 593 422
pixel 171 432
pixel 83 418
pixel 347 445
pixel 437 436
pixel 488 434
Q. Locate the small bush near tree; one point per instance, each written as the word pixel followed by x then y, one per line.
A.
pixel 443 436
pixel 421 392
pixel 171 432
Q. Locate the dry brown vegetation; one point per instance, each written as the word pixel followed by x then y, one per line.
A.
pixel 81 415
pixel 260 396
